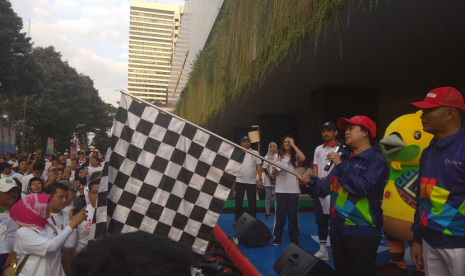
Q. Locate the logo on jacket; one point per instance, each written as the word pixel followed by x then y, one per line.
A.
pixel 447 162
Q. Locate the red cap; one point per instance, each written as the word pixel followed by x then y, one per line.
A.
pixel 442 96
pixel 358 120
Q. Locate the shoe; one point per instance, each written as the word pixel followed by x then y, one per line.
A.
pixel 295 242
pixel 276 241
pixel 267 217
pixel 322 254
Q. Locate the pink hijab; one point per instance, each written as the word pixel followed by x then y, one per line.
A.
pixel 31 211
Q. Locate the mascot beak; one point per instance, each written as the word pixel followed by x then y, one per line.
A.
pixel 392 143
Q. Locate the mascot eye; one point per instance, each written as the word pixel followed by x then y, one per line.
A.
pixel 417 135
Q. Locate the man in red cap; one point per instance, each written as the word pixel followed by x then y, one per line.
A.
pixel 439 222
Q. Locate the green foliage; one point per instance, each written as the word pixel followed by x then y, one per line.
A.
pixel 61 103
pixel 14 50
pixel 250 38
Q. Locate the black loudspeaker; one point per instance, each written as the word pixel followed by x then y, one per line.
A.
pixel 253 232
pixel 294 261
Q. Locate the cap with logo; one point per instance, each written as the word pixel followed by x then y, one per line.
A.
pixel 358 120
pixel 245 138
pixel 442 96
pixel 328 125
pixel 7 184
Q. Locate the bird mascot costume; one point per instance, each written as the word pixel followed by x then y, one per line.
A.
pixel 402 145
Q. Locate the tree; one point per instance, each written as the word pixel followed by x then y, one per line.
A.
pixel 61 103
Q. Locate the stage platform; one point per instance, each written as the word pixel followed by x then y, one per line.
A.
pixel 263 258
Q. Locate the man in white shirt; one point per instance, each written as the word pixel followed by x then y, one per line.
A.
pixel 59 217
pixel 5 170
pixel 22 170
pixel 321 205
pixel 13 162
pixel 9 194
pixel 84 228
pixel 246 181
pixel 74 173
pixel 94 166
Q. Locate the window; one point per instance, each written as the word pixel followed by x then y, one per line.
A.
pixel 151 10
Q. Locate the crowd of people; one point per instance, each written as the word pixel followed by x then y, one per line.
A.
pixel 348 188
pixel 39 223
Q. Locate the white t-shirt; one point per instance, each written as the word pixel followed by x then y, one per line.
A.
pixel 286 183
pixel 319 160
pixel 13 164
pixel 269 167
pixel 18 176
pixel 68 207
pixel 36 242
pixel 4 240
pixel 84 229
pixel 248 171
pixel 11 228
pixel 59 220
pixel 7 175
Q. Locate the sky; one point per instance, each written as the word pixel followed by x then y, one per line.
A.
pixel 92 35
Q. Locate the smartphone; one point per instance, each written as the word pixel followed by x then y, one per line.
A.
pixel 80 203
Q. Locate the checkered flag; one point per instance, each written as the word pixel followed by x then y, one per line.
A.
pixel 163 175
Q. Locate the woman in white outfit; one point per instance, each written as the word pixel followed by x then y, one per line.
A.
pixel 39 241
pixel 268 168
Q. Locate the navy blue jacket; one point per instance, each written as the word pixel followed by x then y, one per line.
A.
pixel 356 186
pixel 440 212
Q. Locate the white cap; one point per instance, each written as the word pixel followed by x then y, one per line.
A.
pixel 7 184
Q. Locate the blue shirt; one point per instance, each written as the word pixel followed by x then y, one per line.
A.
pixel 440 212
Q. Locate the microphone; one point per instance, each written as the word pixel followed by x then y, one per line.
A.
pixel 330 162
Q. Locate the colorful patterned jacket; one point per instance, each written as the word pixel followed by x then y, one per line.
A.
pixel 440 212
pixel 356 186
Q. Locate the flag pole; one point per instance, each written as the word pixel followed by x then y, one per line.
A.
pixel 211 133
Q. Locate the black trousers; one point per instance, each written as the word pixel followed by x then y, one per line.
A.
pixel 354 256
pixel 321 219
pixel 241 189
pixel 286 207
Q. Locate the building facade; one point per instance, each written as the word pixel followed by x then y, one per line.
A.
pixel 197 21
pixel 153 31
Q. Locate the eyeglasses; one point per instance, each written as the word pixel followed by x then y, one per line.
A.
pixel 53 170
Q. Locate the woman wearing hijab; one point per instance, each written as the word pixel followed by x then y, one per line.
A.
pixel 270 181
pixel 356 185
pixel 37 240
pixel 35 185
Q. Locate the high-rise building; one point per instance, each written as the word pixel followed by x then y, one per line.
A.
pixel 197 21
pixel 153 31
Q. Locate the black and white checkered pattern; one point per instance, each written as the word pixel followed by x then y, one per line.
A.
pixel 163 176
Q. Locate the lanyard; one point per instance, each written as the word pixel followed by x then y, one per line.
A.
pixel 55 223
